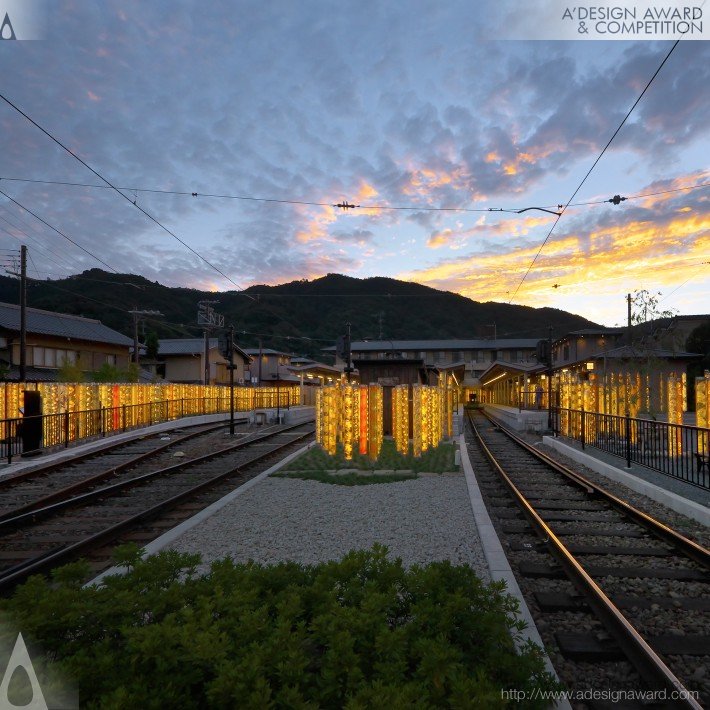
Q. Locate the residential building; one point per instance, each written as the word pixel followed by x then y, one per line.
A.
pixel 270 366
pixel 183 360
pixel 54 339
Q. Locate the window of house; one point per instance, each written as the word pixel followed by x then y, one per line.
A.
pixel 38 356
pixel 111 360
pixel 565 352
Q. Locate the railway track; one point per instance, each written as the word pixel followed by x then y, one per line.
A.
pixel 137 505
pixel 47 483
pixel 621 601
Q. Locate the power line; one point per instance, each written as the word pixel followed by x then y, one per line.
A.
pixel 594 164
pixel 328 204
pixel 35 242
pixel 125 197
pixel 61 234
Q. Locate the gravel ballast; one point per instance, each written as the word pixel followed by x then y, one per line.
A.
pixel 281 519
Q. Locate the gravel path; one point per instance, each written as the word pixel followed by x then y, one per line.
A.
pixel 421 521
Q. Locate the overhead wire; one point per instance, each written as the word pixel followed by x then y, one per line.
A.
pixel 329 204
pixel 36 244
pixel 125 197
pixel 60 233
pixel 594 164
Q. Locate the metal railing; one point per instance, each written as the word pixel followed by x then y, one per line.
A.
pixel 676 450
pixel 48 431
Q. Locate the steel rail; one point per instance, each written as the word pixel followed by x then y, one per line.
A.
pixel 48 510
pixel 97 477
pixel 51 558
pixel 692 549
pixel 69 459
pixel 649 665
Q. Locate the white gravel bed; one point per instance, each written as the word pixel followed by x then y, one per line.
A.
pixel 283 519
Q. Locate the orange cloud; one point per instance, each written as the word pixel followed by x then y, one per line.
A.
pixel 439 239
pixel 423 181
pixel 637 254
pixel 317 225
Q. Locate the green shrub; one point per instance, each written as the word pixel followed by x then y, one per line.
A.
pixel 437 460
pixel 356 633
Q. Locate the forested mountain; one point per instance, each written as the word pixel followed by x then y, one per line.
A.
pixel 299 317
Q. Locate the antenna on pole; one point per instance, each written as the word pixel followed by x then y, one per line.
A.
pixel 139 316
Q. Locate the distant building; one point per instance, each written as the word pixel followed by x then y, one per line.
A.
pixel 270 366
pixel 311 372
pixel 183 360
pixel 54 339
pixel 581 353
pixel 580 345
pixel 393 362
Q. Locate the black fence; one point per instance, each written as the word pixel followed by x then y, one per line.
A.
pixel 33 434
pixel 675 450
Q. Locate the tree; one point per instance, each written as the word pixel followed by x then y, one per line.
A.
pixel 645 308
pixel 152 345
pixel 70 371
pixel 646 311
pixel 108 373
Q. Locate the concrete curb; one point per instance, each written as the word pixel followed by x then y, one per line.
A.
pixel 498 562
pixel 174 533
pixel 690 508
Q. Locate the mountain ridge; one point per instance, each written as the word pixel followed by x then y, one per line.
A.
pixel 301 316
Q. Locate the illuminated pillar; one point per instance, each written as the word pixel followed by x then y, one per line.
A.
pixel 675 414
pixel 400 418
pixel 702 409
pixel 364 420
pixel 375 420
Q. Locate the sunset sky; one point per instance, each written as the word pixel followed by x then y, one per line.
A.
pixel 382 104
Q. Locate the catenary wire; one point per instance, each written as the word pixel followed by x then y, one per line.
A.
pixel 60 233
pixel 125 197
pixel 328 204
pixel 594 164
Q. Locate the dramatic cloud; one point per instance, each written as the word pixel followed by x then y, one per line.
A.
pixel 400 110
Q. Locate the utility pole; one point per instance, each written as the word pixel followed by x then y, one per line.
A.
pixel 225 343
pixel 206 316
pixel 139 315
pixel 260 356
pixel 231 380
pixel 23 313
pixel 348 353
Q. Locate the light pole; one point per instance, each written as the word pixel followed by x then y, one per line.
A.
pixel 278 392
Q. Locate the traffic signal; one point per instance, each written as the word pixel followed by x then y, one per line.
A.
pixel 225 346
pixel 543 352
